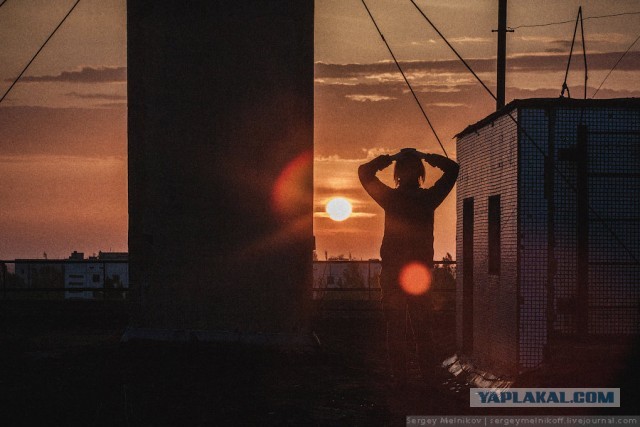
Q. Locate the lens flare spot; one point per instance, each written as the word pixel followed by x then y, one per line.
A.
pixel 415 278
pixel 293 188
pixel 339 209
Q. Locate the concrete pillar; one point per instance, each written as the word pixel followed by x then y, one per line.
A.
pixel 220 164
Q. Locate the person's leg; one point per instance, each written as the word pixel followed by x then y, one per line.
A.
pixel 394 306
pixel 395 314
pixel 421 315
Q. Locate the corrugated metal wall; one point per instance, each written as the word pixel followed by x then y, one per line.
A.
pixel 614 195
pixel 567 292
pixel 613 158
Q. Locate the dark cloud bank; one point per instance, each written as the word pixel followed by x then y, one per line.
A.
pixel 85 75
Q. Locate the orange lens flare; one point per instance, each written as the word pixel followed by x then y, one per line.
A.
pixel 415 278
pixel 292 190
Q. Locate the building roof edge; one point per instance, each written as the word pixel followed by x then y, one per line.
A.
pixel 549 102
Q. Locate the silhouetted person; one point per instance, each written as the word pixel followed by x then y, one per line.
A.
pixel 407 243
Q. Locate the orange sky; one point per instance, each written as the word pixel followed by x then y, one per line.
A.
pixel 363 107
pixel 63 161
pixel 63 127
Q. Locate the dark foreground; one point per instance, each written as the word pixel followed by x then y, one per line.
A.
pixel 63 369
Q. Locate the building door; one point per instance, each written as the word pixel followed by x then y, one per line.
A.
pixel 467 275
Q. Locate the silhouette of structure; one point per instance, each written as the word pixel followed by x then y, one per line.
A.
pixel 220 165
pixel 548 232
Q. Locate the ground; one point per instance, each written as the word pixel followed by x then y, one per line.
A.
pixel 63 364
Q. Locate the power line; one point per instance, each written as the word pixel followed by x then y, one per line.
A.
pixel 571 20
pixel 540 150
pixel 39 50
pixel 405 79
pixel 453 49
pixel 616 64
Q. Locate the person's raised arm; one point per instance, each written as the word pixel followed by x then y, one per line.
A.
pixel 443 186
pixel 371 183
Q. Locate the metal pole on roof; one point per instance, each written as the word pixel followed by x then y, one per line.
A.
pixel 502 53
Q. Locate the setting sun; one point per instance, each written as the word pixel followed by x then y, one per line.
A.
pixel 339 209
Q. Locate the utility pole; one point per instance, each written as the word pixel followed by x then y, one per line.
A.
pixel 502 52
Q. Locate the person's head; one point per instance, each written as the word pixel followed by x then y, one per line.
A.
pixel 409 170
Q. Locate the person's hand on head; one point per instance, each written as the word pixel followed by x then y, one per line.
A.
pixel 403 152
pixel 428 157
pixel 395 157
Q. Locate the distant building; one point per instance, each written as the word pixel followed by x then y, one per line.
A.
pixel 82 275
pixel 548 230
pixel 107 270
pixel 95 273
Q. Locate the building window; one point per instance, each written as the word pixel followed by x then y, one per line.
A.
pixel 494 234
pixel 96 278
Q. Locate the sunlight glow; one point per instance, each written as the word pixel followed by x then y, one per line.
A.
pixel 292 188
pixel 339 209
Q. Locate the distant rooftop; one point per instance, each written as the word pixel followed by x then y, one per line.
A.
pixel 113 255
pixel 78 257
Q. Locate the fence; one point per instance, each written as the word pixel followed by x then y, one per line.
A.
pixel 346 280
pixel 333 280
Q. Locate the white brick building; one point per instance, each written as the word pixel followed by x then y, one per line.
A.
pixel 548 231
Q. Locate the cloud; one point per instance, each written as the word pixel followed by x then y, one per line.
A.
pixel 334 158
pixel 370 98
pixel 85 75
pixel 323 214
pixel 113 105
pixel 471 40
pixel 595 42
pixel 380 69
pixel 389 77
pixel 366 155
pixel 324 192
pixel 386 72
pixel 101 96
pixel 565 46
pixel 377 151
pixel 448 104
pixel 455 40
pixel 337 82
